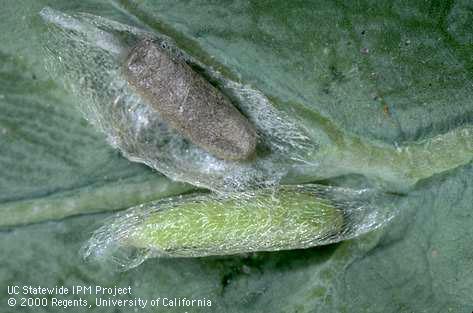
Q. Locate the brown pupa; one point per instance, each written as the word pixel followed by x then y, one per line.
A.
pixel 188 103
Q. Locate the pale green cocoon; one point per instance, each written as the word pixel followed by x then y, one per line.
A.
pixel 264 221
pixel 267 219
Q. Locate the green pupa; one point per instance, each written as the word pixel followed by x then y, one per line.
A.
pixel 188 103
pixel 288 217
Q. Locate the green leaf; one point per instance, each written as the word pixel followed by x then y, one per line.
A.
pixel 384 86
